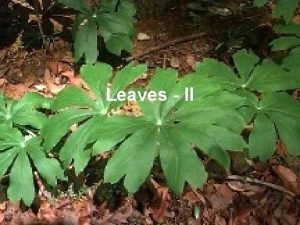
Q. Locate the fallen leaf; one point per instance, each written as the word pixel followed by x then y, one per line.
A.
pixel 222 198
pixel 190 60
pixel 161 202
pixel 174 62
pixel 289 179
pixel 143 37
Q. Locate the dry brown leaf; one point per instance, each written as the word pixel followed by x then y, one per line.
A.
pixel 174 62
pixel 161 202
pixel 190 60
pixel 289 179
pixel 219 220
pixel 222 198
pixel 51 83
pixel 281 149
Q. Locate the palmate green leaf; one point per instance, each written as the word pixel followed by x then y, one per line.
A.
pixel 263 77
pixel 116 27
pixel 277 116
pixel 76 108
pixel 24 111
pixel 262 140
pixel 113 20
pixel 16 153
pixel 173 127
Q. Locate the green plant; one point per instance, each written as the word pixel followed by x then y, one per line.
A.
pixel 283 8
pixel 273 113
pixel 20 146
pixel 169 129
pixel 74 106
pixel 112 20
pixel 289 37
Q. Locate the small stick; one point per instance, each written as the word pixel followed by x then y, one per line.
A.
pixel 38 16
pixel 166 44
pixel 260 182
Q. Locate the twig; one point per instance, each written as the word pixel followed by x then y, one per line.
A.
pixel 165 45
pixel 260 182
pixel 38 19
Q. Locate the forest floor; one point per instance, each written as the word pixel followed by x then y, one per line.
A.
pixel 250 193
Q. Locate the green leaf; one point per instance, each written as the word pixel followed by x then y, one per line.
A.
pixel 127 76
pixel 291 62
pixel 289 130
pixel 281 103
pixel 116 43
pixel 245 62
pixel 223 73
pixel 262 140
pixel 284 111
pixel 59 124
pixel 291 28
pixel 114 23
pixel 97 77
pixel 206 143
pixel 6 159
pixel 284 43
pixel 79 5
pixel 285 9
pixel 227 139
pixel 11 134
pixel 116 29
pixel 259 3
pixel 180 162
pixel 106 144
pixel 28 117
pixel 21 180
pixel 85 43
pixel 36 101
pixel 134 160
pixel 271 77
pixel 49 169
pixel 74 147
pixel 73 96
pixel 127 8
